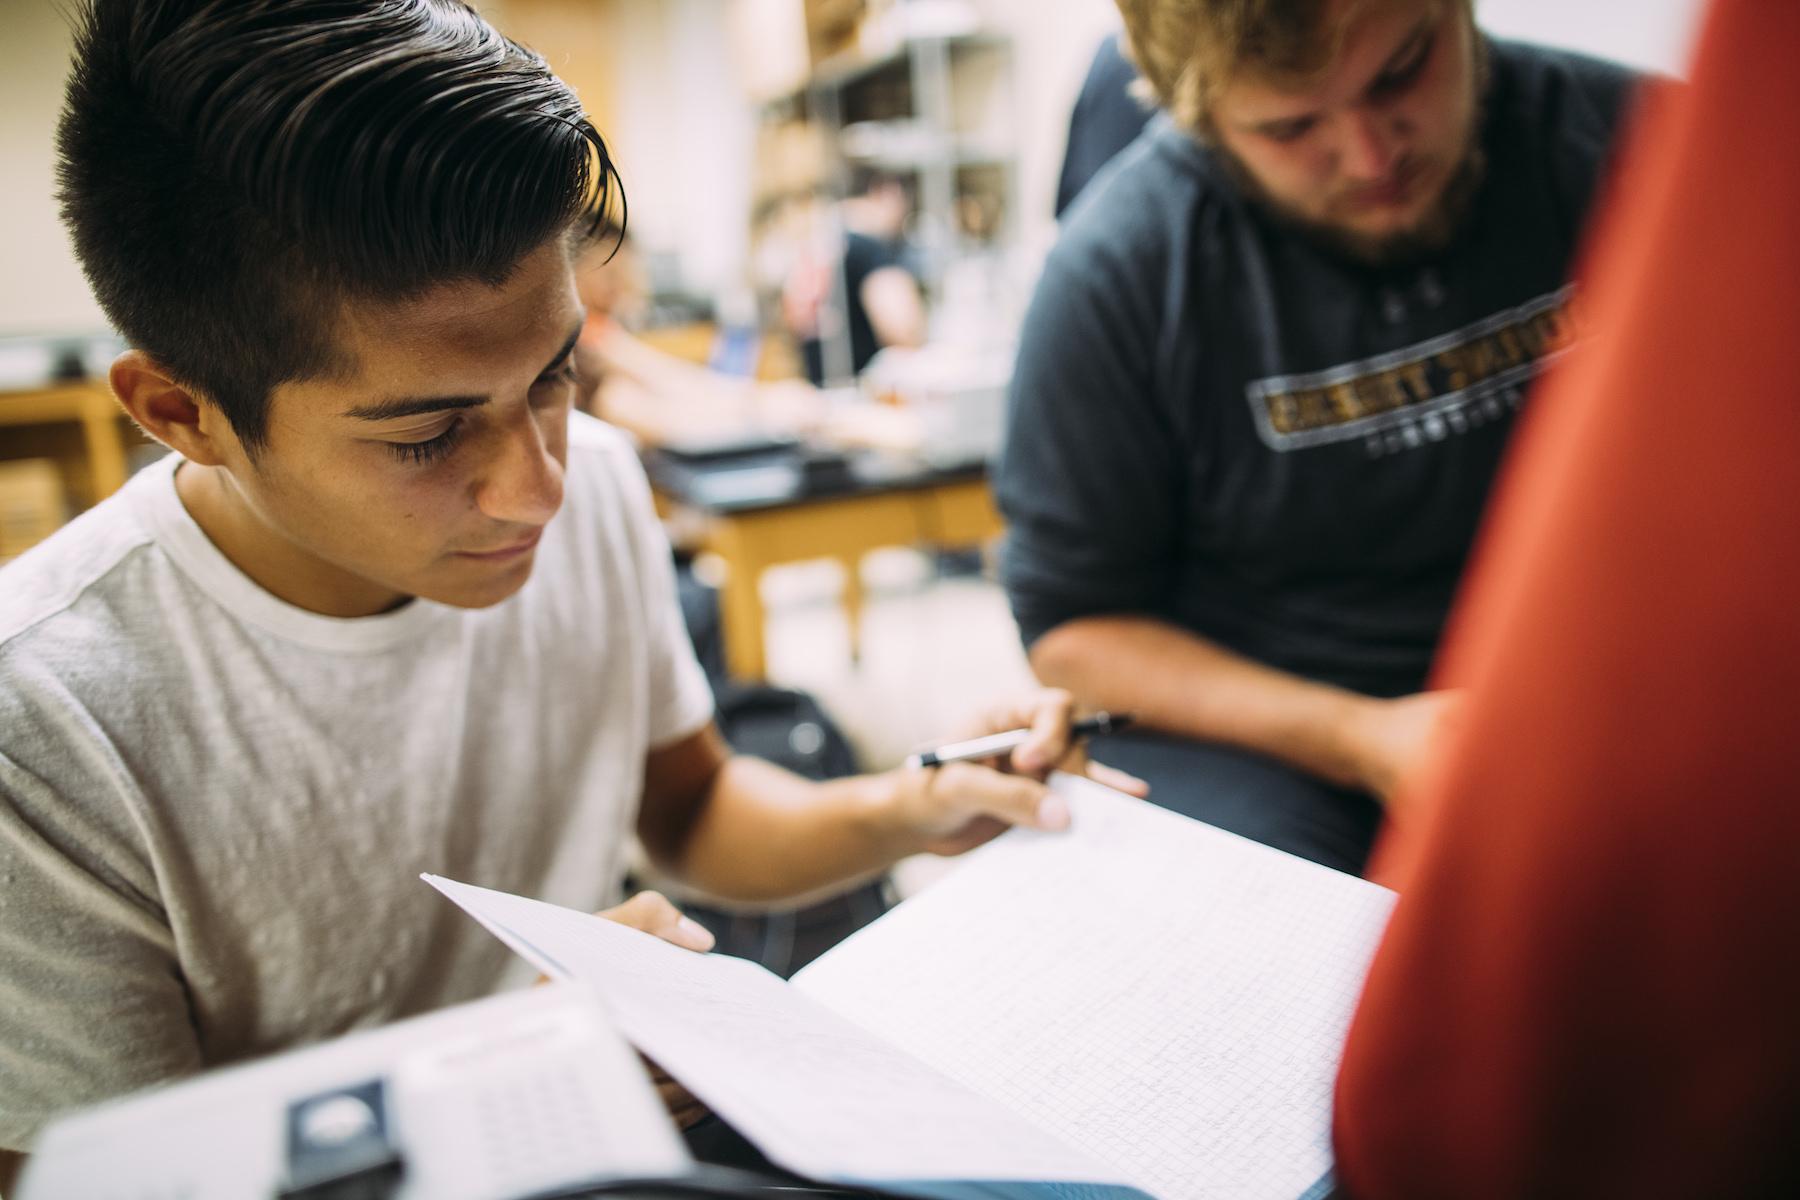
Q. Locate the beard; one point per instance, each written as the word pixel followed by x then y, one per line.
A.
pixel 1435 229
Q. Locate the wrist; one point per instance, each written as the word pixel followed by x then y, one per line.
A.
pixel 1352 741
pixel 890 811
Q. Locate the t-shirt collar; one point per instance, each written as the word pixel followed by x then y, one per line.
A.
pixel 181 538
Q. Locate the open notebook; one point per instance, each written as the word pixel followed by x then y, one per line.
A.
pixel 1143 1004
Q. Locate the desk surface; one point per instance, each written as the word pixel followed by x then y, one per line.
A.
pixel 764 507
pixel 106 434
pixel 790 476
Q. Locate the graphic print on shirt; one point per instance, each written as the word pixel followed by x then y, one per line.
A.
pixel 1419 394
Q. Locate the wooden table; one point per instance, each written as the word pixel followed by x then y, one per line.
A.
pixel 90 405
pixel 942 508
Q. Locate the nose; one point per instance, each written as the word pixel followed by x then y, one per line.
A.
pixel 524 483
pixel 1369 149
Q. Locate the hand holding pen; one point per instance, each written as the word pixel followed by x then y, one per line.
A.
pixel 994 745
pixel 960 794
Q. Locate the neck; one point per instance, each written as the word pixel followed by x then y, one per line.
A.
pixel 271 560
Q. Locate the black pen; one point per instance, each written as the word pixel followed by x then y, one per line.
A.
pixel 996 744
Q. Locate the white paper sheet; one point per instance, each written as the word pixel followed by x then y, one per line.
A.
pixel 815 1092
pixel 1168 996
pixel 528 1094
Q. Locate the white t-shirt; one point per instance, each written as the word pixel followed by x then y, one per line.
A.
pixel 214 807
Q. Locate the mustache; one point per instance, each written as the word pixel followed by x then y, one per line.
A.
pixel 1405 173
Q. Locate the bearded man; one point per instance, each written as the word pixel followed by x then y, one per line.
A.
pixel 1266 380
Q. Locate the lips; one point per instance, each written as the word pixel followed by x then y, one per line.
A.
pixel 1391 192
pixel 1385 196
pixel 502 553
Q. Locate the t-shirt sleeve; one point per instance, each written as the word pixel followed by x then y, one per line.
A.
pixel 1088 477
pixel 681 701
pixel 863 256
pixel 1585 105
pixel 92 1002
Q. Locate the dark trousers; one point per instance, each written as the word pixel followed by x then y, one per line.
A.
pixel 1247 794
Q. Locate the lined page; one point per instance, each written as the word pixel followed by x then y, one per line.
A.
pixel 815 1092
pixel 1168 996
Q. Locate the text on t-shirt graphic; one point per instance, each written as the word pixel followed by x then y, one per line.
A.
pixel 1419 394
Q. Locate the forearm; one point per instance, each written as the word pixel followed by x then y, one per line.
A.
pixel 665 375
pixel 1175 681
pixel 896 312
pixel 767 834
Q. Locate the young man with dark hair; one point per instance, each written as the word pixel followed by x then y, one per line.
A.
pixel 1266 381
pixel 389 607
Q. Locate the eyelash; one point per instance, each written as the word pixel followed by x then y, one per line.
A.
pixel 562 374
pixel 432 449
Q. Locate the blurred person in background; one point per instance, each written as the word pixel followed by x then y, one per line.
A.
pixel 1108 116
pixel 850 281
pixel 1266 380
pixel 657 396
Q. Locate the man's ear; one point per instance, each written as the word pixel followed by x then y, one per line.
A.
pixel 168 410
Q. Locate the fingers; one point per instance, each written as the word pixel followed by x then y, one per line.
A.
pixel 1049 716
pixel 681 1104
pixel 1116 779
pixel 652 913
pixel 1014 799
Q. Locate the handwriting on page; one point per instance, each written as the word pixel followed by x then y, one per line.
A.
pixel 1172 998
pixel 817 1093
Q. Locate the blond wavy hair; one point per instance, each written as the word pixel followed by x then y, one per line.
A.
pixel 1188 50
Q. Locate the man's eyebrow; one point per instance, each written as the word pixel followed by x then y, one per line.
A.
pixel 413 406
pixel 1276 123
pixel 568 345
pixel 1420 32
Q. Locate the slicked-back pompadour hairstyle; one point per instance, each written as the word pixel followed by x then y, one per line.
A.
pixel 1187 50
pixel 235 171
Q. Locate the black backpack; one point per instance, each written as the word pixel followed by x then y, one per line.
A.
pixel 785 727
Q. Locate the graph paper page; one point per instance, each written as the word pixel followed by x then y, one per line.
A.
pixel 814 1091
pixel 1170 997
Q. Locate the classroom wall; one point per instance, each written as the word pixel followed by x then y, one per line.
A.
pixel 41 288
pixel 1653 34
pixel 683 133
pixel 657 78
pixel 1051 59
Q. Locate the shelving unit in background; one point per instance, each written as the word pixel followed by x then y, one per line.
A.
pixel 918 99
pixel 931 109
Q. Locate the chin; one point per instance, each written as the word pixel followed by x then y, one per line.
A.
pixel 1410 225
pixel 1418 232
pixel 482 588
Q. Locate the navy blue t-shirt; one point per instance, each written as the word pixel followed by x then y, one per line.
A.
pixel 1217 422
pixel 863 256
